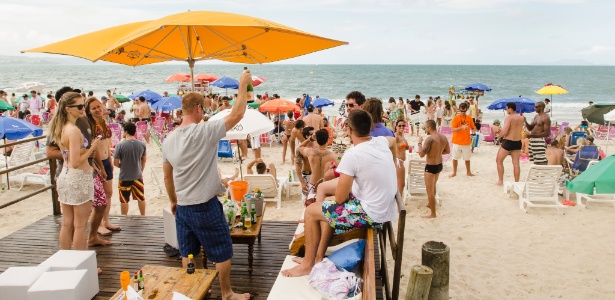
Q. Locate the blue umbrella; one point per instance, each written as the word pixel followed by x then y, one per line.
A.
pixel 16 129
pixel 168 104
pixel 226 83
pixel 149 95
pixel 306 103
pixel 322 102
pixel 524 105
pixel 478 87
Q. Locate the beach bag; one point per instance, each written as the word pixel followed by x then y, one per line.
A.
pixel 333 283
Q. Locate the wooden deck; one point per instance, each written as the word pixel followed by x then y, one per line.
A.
pixel 140 243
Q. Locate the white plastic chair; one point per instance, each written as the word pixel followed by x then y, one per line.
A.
pixel 539 189
pixel 415 181
pixel 22 154
pixel 267 184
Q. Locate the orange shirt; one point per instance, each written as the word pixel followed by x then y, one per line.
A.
pixel 462 137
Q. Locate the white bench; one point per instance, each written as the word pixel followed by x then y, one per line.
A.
pixel 62 285
pixel 16 281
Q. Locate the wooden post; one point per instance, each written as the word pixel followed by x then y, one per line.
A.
pixel 436 255
pixel 54 191
pixel 419 283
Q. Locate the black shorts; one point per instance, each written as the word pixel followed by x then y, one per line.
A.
pixel 509 145
pixel 433 169
pixel 111 113
pixel 134 120
pixel 108 168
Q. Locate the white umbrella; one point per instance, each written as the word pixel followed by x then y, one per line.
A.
pixel 253 123
pixel 609 117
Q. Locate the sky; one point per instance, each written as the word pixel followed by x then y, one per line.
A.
pixel 475 32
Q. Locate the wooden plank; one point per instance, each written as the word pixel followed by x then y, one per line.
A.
pixel 140 243
pixel 369 267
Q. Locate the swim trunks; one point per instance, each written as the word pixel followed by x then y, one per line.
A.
pixel 538 151
pixel 100 198
pixel 306 177
pixel 134 187
pixel 348 215
pixel 433 169
pixel 108 168
pixel 509 145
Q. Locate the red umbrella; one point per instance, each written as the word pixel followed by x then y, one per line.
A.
pixel 256 80
pixel 179 77
pixel 206 77
pixel 278 106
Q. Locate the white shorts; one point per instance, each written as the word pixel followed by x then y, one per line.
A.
pixel 255 141
pixel 462 152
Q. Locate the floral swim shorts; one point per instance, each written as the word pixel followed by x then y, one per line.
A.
pixel 346 216
pixel 100 198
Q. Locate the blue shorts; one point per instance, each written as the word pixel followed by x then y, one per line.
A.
pixel 108 168
pixel 204 224
pixel 346 216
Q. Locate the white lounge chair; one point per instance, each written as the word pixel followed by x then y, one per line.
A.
pixel 415 181
pixel 539 189
pixel 267 184
pixel 597 198
pixel 22 154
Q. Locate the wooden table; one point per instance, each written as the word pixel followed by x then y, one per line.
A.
pixel 161 282
pixel 245 237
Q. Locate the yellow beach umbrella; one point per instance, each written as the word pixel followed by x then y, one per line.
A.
pixel 550 89
pixel 192 36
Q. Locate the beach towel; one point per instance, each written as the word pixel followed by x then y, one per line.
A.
pixel 333 283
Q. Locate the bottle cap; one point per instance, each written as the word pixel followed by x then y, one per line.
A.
pixel 189 256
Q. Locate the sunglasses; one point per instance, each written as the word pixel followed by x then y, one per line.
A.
pixel 350 104
pixel 463 110
pixel 78 106
pixel 401 126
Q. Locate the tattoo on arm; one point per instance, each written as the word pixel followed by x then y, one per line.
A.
pixel 427 144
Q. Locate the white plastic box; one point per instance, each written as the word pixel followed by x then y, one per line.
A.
pixel 69 260
pixel 170 231
pixel 61 285
pixel 16 281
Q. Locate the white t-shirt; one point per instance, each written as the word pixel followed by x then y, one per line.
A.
pixel 35 105
pixel 548 108
pixel 439 111
pixel 375 181
pixel 24 104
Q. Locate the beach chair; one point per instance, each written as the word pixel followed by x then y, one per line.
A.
pixel 267 184
pixel 141 131
pixel 539 189
pixel 582 159
pixel 562 126
pixel 487 132
pixel 34 120
pixel 554 131
pixel 601 132
pixel 596 198
pixel 170 127
pixel 116 133
pixel 415 181
pixel 575 136
pixel 446 130
pixel 23 154
pixel 225 150
pixel 266 138
pixel 158 128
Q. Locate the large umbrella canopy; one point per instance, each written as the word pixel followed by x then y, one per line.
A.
pixel 610 117
pixel 149 95
pixel 206 77
pixel 600 177
pixel 551 89
pixel 277 106
pixel 168 104
pixel 192 36
pixel 524 105
pixel 253 123
pixel 6 106
pixel 15 129
pixel 322 102
pixel 179 77
pixel 596 112
pixel 478 87
pixel 226 83
pixel 121 98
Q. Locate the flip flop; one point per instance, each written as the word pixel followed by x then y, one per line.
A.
pixel 116 228
pixel 109 233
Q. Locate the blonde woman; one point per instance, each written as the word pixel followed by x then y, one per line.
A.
pixel 74 191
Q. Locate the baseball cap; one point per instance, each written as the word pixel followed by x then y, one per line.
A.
pixel 104 98
pixel 496 121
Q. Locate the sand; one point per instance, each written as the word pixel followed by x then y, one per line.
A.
pixel 497 250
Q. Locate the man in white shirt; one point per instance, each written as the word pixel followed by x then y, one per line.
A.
pixel 24 105
pixel 36 103
pixel 365 194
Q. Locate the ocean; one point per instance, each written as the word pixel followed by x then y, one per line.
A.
pixel 584 83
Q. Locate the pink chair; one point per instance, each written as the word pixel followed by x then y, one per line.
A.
pixel 553 134
pixel 564 125
pixel 407 129
pixel 266 138
pixel 158 127
pixel 487 132
pixel 141 131
pixel 446 131
pixel 602 132
pixel 116 133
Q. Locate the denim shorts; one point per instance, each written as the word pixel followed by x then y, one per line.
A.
pixel 204 224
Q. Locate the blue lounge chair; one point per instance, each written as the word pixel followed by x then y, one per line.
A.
pixel 583 157
pixel 575 136
pixel 224 149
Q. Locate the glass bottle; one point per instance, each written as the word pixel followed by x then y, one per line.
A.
pixel 190 269
pixel 253 213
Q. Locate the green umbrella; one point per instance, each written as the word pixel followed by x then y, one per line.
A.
pixel 600 176
pixel 251 104
pixel 595 113
pixel 5 106
pixel 121 98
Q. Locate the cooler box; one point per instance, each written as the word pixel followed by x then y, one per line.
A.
pixel 170 232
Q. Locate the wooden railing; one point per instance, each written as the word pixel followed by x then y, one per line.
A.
pixel 396 240
pixel 52 174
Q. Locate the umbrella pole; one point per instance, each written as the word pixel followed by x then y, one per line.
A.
pixel 6 162
pixel 191 64
pixel 240 160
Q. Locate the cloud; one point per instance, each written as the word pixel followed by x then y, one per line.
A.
pixel 600 49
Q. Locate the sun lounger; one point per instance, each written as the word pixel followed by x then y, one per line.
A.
pixel 23 154
pixel 539 189
pixel 415 181
pixel 269 186
pixel 597 198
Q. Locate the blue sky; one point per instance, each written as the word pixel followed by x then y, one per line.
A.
pixel 507 32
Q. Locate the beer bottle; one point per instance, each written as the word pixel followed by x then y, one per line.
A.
pixel 190 269
pixel 250 96
pixel 141 281
pixel 253 213
pixel 135 283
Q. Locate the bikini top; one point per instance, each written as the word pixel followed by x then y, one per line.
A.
pixel 403 146
pixel 83 146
